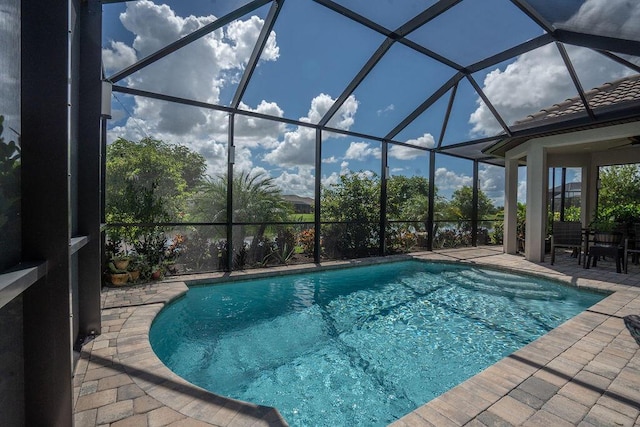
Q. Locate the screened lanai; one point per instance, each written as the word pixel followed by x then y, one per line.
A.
pixel 307 93
pixel 430 109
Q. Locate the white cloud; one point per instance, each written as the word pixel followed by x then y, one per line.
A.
pixel 536 80
pixel 201 71
pixel 389 107
pixel 344 117
pixel 198 71
pixel 298 146
pixel 296 150
pixel 140 18
pixel 594 69
pixel 402 152
pixel 492 183
pixel 330 160
pixel 119 56
pixel 333 179
pixel 344 167
pixel 243 35
pixel 615 18
pixel 361 151
pixel 180 119
pixel 254 132
pixel 244 161
pixel 447 180
pixel 301 183
pixel 117 115
pixel 491 178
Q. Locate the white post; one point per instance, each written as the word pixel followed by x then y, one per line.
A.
pixel 591 195
pixel 585 196
pixel 537 177
pixel 510 242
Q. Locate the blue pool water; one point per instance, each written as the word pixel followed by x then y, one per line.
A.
pixel 359 346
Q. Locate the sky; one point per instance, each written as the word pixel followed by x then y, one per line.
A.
pixel 311 56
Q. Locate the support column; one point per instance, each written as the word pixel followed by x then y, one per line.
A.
pixel 46 228
pixel 510 235
pixel 563 196
pixel 553 190
pixel 317 250
pixel 474 208
pixel 537 178
pixel 588 192
pixel 89 167
pixel 432 198
pixel 231 154
pixel 383 198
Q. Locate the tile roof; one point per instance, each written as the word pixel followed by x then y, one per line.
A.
pixel 619 92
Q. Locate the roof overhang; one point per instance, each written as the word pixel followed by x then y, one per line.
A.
pixel 606 116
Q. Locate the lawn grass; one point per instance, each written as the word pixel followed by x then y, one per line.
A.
pixel 299 217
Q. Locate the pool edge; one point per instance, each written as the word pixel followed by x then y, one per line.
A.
pixel 135 354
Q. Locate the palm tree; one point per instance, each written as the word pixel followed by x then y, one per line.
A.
pixel 256 200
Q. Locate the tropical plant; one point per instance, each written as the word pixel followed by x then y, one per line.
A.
pixel 285 245
pixel 461 205
pixel 407 198
pixel 256 200
pixel 151 244
pixel 353 205
pixel 618 199
pixel 497 232
pixel 521 221
pixel 199 252
pixel 280 253
pixel 307 240
pixel 150 180
pixel 400 239
pixel 619 185
pixel 147 182
pixel 451 236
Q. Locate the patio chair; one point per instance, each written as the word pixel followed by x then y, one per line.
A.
pixel 566 235
pixel 606 244
pixel 632 246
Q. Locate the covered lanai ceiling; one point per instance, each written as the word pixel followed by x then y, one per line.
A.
pixel 454 76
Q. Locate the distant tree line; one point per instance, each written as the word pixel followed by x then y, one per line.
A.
pixel 150 182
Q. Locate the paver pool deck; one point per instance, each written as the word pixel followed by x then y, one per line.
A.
pixel 586 372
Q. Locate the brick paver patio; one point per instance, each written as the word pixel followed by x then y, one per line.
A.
pixel 585 372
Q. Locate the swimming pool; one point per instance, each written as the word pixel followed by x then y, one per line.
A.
pixel 359 346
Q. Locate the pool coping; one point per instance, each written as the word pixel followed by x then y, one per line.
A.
pixel 120 363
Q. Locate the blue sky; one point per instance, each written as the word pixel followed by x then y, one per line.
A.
pixel 311 55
